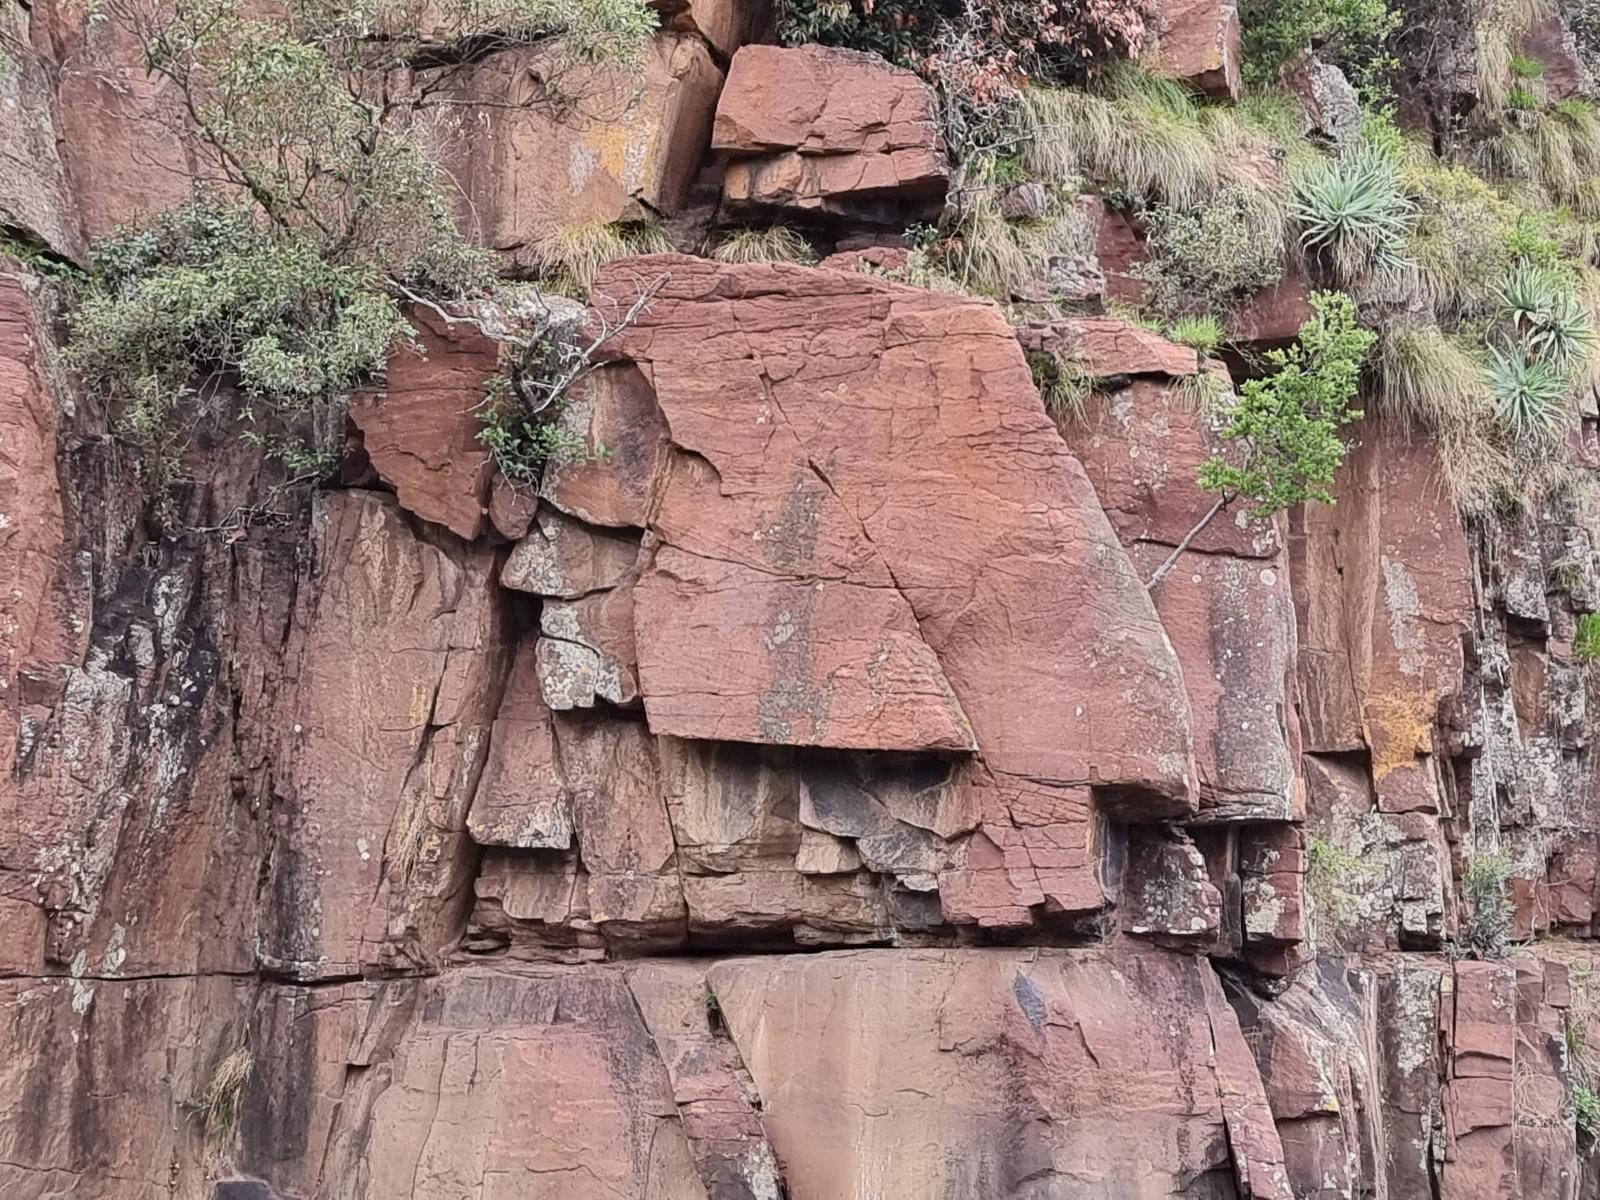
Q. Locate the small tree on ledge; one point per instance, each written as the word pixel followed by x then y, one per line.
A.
pixel 1288 424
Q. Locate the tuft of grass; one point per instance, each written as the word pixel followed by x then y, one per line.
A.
pixel 1523 67
pixel 1063 385
pixel 573 255
pixel 1586 644
pixel 1488 927
pixel 992 256
pixel 1520 99
pixel 223 1098
pixel 1427 379
pixel 779 244
pixel 1204 333
pixel 1143 135
pixel 1354 214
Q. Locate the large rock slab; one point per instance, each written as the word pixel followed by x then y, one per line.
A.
pixel 839 426
pixel 34 195
pixel 1226 604
pixel 397 662
pixel 1383 593
pixel 1027 1049
pixel 826 130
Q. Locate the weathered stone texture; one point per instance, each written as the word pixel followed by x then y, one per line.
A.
pixel 836 132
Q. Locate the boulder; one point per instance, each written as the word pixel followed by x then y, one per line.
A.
pixel 829 131
pixel 628 139
pixel 724 24
pixel 1548 41
pixel 1198 42
pixel 1329 106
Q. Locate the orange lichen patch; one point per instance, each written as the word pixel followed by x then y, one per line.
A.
pixel 1398 726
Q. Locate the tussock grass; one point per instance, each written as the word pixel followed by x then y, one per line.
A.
pixel 1430 383
pixel 779 244
pixel 1428 380
pixel 224 1095
pixel 992 256
pixel 1203 333
pixel 1064 386
pixel 574 254
pixel 1145 136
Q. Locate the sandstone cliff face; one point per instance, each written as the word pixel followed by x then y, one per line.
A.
pixel 805 797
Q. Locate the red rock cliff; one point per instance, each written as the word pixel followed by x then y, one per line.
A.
pixel 805 798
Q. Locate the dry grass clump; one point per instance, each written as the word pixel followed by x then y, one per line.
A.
pixel 573 255
pixel 779 244
pixel 1143 135
pixel 224 1095
pixel 1429 382
pixel 988 254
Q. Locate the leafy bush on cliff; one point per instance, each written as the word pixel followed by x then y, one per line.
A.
pixel 207 303
pixel 319 129
pixel 1212 257
pixel 978 48
pixel 1285 428
pixel 1287 425
pixel 1351 34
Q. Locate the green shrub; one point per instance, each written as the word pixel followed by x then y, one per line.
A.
pixel 1487 933
pixel 1354 215
pixel 1349 33
pixel 1460 241
pixel 1332 877
pixel 205 297
pixel 1211 257
pixel 1586 644
pixel 321 123
pixel 1586 1113
pixel 520 440
pixel 979 46
pixel 1287 425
